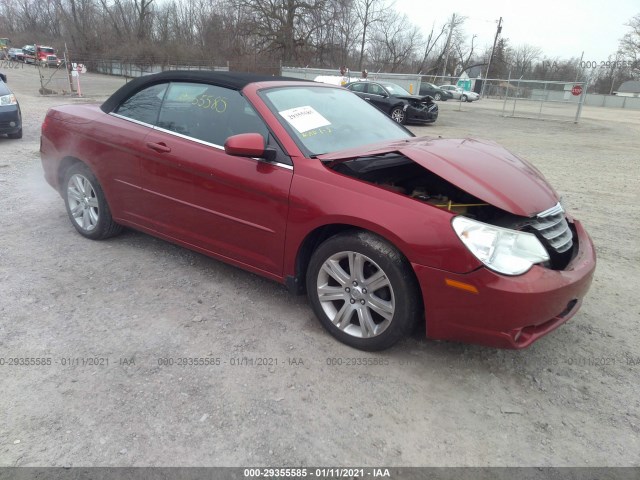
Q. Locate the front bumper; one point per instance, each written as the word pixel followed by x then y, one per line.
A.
pixel 422 114
pixel 10 119
pixel 506 312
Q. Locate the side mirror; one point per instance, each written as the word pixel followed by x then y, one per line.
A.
pixel 249 145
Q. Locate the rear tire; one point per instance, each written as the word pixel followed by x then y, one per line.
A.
pixel 363 291
pixel 86 204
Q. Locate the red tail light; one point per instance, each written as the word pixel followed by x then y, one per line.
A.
pixel 45 124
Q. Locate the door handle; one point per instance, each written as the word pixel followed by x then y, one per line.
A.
pixel 158 147
pixel 367 98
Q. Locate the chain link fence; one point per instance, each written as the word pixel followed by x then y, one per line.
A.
pixel 538 99
pixel 410 82
pixel 138 69
pixel 542 100
pixel 512 97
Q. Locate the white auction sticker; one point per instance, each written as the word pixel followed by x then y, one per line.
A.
pixel 304 119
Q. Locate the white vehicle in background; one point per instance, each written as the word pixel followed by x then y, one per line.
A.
pixel 460 94
pixel 339 81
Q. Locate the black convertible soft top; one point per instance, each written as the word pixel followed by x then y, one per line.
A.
pixel 232 80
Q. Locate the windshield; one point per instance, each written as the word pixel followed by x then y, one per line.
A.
pixel 46 49
pixel 326 120
pixel 394 89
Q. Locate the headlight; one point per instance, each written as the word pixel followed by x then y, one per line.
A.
pixel 501 249
pixel 8 100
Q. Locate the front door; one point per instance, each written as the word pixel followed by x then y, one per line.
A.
pixel 233 207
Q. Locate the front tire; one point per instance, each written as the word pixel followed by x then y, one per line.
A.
pixel 86 204
pixel 363 291
pixel 437 97
pixel 463 98
pixel 398 115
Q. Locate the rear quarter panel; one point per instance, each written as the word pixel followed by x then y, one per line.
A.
pixel 110 146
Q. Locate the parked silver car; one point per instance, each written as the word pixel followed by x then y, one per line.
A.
pixel 16 54
pixel 460 94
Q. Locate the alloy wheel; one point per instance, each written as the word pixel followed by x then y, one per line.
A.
pixel 83 202
pixel 356 294
pixel 397 115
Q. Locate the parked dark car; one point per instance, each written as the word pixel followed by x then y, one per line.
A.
pixel 396 102
pixel 436 92
pixel 306 184
pixel 10 115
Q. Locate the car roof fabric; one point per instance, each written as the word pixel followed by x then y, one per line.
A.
pixel 232 80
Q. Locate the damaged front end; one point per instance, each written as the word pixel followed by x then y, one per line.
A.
pixel 491 218
pixel 534 263
pixel 421 109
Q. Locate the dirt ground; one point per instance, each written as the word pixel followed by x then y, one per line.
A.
pixel 107 314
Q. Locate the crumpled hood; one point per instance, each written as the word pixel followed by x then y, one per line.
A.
pixel 481 168
pixel 416 98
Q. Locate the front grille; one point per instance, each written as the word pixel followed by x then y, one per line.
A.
pixel 552 225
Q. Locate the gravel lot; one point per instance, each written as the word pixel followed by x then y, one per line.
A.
pixel 569 400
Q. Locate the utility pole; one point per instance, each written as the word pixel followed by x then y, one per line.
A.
pixel 495 40
pixel 446 49
pixel 67 66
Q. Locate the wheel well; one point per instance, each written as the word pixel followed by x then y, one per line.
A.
pixel 64 166
pixel 297 284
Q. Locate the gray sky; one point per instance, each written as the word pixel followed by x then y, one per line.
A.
pixel 562 28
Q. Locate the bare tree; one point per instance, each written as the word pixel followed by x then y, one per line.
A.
pixel 500 64
pixel 369 13
pixel 522 58
pixel 464 55
pixel 346 21
pixel 252 34
pixel 394 42
pixel 430 43
pixel 282 25
pixel 630 43
pixel 144 11
pixel 455 34
pixel 79 18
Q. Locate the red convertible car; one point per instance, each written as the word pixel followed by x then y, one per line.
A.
pixel 309 185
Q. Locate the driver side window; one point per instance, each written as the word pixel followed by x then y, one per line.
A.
pixel 376 89
pixel 208 112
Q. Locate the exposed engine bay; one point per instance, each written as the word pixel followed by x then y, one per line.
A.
pixel 397 173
